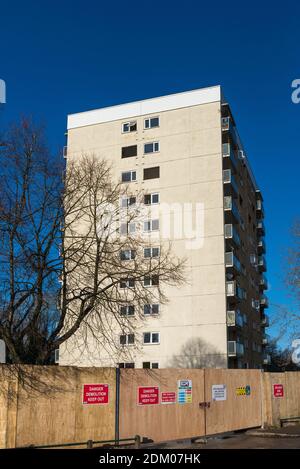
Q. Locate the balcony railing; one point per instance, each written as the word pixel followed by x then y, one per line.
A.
pixel 261 246
pixel 225 123
pixel 265 340
pixel 234 319
pixel 235 349
pixel 267 359
pixel 231 233
pixel 231 261
pixel 264 302
pixel 231 208
pixel 228 153
pixel 262 265
pixel 234 291
pixel 263 283
pixel 261 228
pixel 230 185
pixel 265 321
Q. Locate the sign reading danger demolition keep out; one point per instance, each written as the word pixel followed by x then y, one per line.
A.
pixel 95 394
pixel 148 395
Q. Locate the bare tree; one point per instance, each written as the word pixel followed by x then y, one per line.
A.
pixel 72 253
pixel 286 318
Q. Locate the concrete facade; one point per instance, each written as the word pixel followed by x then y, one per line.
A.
pixel 192 135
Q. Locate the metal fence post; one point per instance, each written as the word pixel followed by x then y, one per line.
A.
pixel 89 444
pixel 137 441
pixel 117 407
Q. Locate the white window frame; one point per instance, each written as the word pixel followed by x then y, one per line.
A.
pixel 149 120
pixel 127 311
pixel 151 225
pixel 128 123
pixel 130 228
pixel 131 172
pixel 151 280
pixel 125 201
pixel 151 252
pixel 152 194
pixel 126 335
pixel 151 335
pixel 151 309
pixel 130 251
pixel 126 280
pixel 154 144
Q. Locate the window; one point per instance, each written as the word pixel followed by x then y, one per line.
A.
pixel 150 281
pixel 126 365
pixel 128 201
pixel 127 254
pixel 151 147
pixel 129 127
pixel 127 283
pixel 151 252
pixel 151 173
pixel 151 225
pixel 126 339
pixel 151 199
pixel 151 337
pixel 127 310
pixel 127 152
pixel 153 365
pixel 151 122
pixel 126 228
pixel 129 176
pixel 151 309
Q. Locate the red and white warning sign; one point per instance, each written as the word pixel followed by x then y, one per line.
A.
pixel 148 395
pixel 95 394
pixel 278 390
pixel 168 397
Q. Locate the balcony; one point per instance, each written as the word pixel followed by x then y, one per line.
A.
pixel 262 265
pixel 265 340
pixel 231 233
pixel 259 209
pixel 264 302
pixel 263 283
pixel 226 123
pixel 232 262
pixel 235 349
pixel 230 185
pixel 234 291
pixel 261 246
pixel 265 321
pixel 261 228
pixel 235 319
pixel 229 156
pixel 231 210
pixel 267 360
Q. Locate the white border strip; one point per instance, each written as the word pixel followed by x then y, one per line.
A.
pixel 147 106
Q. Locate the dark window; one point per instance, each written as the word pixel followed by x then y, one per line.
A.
pixel 147 199
pixel 146 365
pixel 126 365
pixel 129 176
pixel 129 127
pixel 127 152
pixel 151 173
pixel 155 366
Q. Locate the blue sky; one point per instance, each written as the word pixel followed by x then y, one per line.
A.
pixel 63 57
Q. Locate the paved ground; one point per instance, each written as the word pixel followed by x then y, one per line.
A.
pixel 242 440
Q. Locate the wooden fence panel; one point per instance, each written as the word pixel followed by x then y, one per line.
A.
pixel 50 410
pixel 242 406
pixel 161 422
pixel 281 405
